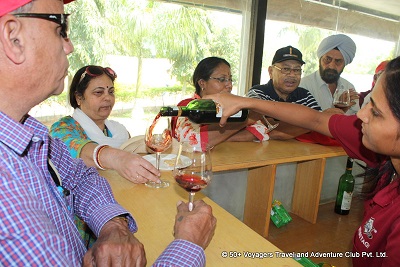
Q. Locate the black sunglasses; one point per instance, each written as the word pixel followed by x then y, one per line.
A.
pixel 60 19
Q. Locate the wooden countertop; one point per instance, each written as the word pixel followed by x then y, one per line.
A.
pixel 155 210
pixel 244 155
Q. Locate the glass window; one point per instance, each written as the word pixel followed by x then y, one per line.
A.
pixel 154 47
pixel 306 23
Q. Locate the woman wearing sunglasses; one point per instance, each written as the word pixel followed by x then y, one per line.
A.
pixel 91 136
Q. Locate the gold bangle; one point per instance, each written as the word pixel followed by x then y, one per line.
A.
pixel 98 157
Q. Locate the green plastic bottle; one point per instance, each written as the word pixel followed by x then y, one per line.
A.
pixel 279 215
pixel 277 207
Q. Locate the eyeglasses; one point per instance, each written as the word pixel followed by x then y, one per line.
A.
pixel 95 71
pixel 288 70
pixel 60 19
pixel 328 60
pixel 223 80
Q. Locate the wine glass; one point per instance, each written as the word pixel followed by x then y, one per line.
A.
pixel 192 169
pixel 158 138
pixel 270 126
pixel 341 98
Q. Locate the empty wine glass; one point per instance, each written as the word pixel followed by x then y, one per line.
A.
pixel 193 170
pixel 158 138
pixel 341 98
pixel 270 126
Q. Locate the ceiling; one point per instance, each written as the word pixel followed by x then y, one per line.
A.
pixel 383 8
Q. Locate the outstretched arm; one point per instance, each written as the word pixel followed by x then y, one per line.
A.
pixel 294 114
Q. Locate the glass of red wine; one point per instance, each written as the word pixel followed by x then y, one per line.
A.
pixel 341 98
pixel 192 169
pixel 158 138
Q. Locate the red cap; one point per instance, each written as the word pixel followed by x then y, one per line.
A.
pixel 381 66
pixel 7 6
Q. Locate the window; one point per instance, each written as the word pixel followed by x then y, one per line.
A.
pixel 154 47
pixel 303 24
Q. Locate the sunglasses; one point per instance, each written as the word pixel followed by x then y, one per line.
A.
pixel 95 71
pixel 60 19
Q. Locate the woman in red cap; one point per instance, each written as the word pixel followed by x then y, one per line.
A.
pixel 365 96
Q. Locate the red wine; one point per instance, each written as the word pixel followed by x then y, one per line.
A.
pixel 158 142
pixel 191 182
pixel 341 105
pixel 202 111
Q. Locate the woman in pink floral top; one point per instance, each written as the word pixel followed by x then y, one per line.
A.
pixel 213 75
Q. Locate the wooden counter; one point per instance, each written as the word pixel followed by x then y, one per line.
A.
pixel 155 210
pixel 261 160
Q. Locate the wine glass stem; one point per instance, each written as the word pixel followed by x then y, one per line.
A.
pixel 158 154
pixel 191 198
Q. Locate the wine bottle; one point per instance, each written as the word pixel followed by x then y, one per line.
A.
pixel 345 190
pixel 202 111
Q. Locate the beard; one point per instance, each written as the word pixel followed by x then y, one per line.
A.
pixel 329 75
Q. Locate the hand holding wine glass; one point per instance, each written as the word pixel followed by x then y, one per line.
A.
pixel 193 170
pixel 158 138
pixel 270 126
pixel 341 98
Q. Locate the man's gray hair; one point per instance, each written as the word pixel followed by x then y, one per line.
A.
pixel 24 9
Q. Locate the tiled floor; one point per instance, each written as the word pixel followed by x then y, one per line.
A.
pixel 331 233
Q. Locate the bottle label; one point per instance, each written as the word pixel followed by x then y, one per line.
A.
pixel 219 113
pixel 346 202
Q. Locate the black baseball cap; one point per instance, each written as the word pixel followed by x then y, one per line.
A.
pixel 288 53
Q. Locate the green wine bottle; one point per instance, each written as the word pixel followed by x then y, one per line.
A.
pixel 345 190
pixel 202 111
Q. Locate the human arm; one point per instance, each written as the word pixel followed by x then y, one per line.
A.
pixel 235 132
pixel 193 231
pixel 29 236
pixel 212 134
pixel 391 249
pixel 94 203
pixel 130 166
pixel 286 131
pixel 294 114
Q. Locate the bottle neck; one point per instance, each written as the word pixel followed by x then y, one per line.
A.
pixel 348 171
pixel 349 164
pixel 170 111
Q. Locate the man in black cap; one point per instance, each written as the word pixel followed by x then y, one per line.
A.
pixel 285 75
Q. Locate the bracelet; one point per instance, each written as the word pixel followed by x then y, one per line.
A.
pixel 96 156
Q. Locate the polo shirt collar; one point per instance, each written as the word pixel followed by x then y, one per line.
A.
pixel 17 136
